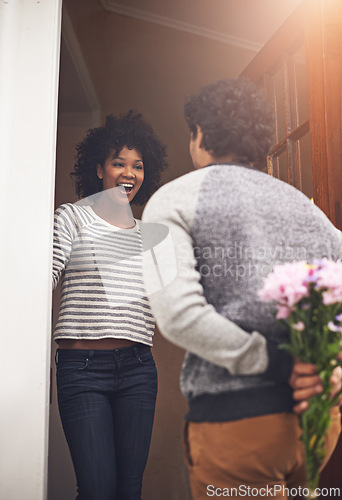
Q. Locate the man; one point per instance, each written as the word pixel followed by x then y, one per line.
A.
pixel 230 223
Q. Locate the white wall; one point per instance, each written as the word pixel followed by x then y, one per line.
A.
pixel 29 60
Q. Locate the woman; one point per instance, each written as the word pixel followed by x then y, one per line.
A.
pixel 106 376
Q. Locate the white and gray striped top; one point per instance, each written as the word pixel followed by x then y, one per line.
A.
pixel 103 294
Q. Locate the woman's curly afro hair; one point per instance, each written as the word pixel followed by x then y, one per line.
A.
pixel 128 130
pixel 234 117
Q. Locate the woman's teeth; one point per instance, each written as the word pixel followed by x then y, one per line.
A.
pixel 128 187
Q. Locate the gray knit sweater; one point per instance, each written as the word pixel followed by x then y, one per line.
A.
pixel 229 225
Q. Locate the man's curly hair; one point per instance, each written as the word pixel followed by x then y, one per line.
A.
pixel 128 130
pixel 234 117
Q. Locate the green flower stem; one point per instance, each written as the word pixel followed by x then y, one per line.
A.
pixel 318 345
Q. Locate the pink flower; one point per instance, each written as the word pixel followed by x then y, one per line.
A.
pixel 283 312
pixel 287 285
pixel 332 296
pixel 300 326
pixel 334 328
pixel 329 279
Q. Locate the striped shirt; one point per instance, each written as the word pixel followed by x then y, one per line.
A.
pixel 103 294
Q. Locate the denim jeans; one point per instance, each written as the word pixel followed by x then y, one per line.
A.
pixel 106 402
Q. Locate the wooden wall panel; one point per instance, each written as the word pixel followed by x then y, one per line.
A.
pixel 332 57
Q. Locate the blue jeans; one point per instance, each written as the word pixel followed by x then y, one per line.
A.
pixel 106 402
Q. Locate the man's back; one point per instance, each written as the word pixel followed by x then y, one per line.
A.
pixel 246 222
pixel 239 223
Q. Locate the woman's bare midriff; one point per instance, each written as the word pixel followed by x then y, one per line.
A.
pixel 103 344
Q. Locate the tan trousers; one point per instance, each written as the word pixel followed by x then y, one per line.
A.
pixel 258 458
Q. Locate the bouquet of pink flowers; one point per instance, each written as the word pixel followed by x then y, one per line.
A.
pixel 308 298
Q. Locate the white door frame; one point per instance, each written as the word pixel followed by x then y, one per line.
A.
pixel 29 67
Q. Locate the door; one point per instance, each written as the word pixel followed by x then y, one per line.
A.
pixel 300 70
pixel 29 61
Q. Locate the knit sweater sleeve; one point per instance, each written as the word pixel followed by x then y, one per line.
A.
pixel 340 239
pixel 181 311
pixel 62 241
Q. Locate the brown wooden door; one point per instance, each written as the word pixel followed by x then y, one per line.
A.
pixel 300 70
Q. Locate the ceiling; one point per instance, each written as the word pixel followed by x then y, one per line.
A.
pixel 244 24
pixel 249 21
